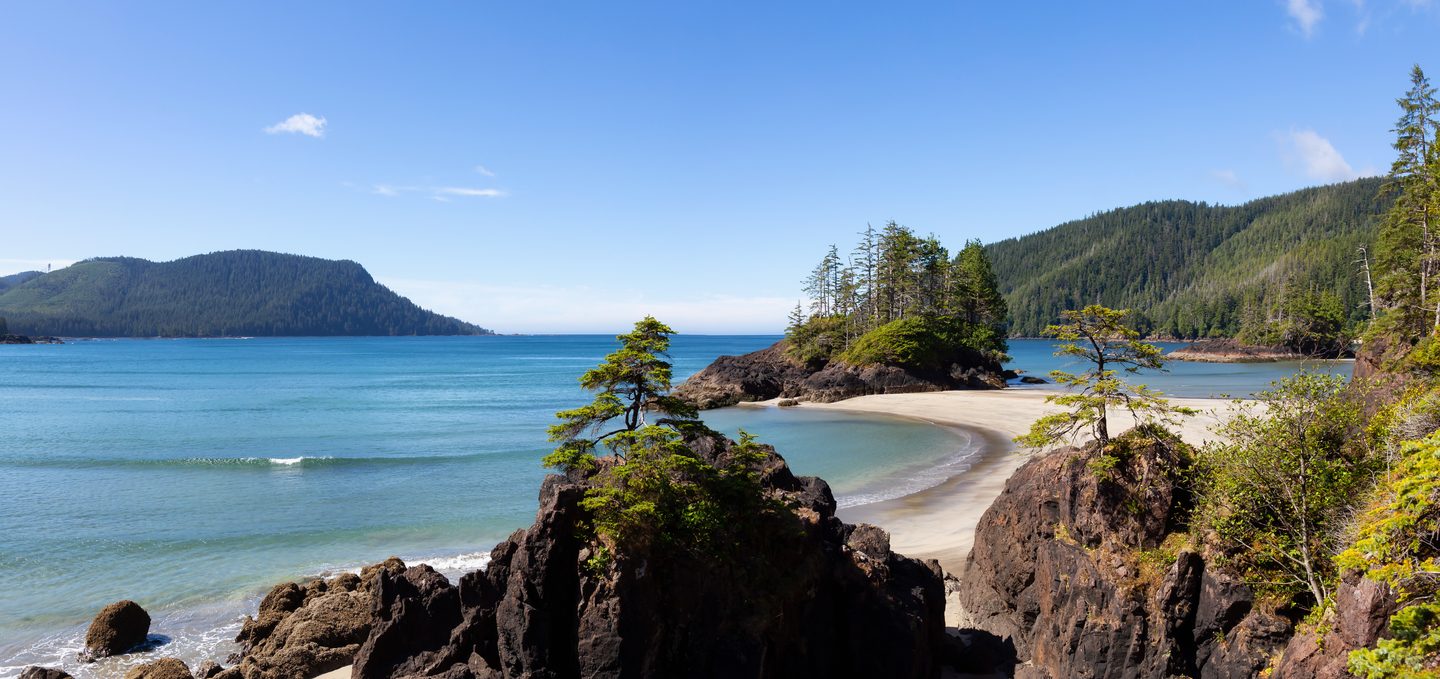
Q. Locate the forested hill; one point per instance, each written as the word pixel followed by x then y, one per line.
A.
pixel 1193 269
pixel 236 293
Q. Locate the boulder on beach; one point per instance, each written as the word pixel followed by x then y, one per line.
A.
pixel 34 672
pixel 208 669
pixel 118 629
pixel 164 668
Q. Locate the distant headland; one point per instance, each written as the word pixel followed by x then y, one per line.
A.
pixel 221 294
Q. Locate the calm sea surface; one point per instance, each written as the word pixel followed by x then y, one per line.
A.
pixel 190 475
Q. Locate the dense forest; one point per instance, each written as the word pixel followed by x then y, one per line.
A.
pixel 236 293
pixel 899 299
pixel 1194 270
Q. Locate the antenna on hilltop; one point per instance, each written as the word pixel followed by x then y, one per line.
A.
pixel 47 268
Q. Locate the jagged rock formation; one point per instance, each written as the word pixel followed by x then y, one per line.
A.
pixel 117 629
pixel 305 631
pixel 1056 569
pixel 830 600
pixel 770 373
pixel 1360 618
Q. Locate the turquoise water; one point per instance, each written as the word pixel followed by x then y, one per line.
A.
pixel 1201 380
pixel 190 475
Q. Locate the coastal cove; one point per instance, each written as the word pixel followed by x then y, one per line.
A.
pixel 196 473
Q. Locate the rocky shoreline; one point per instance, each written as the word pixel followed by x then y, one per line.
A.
pixel 770 373
pixel 1231 351
pixel 23 339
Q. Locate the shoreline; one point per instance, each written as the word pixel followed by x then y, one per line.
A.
pixel 940 522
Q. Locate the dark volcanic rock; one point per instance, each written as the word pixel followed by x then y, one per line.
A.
pixel 1054 570
pixel 33 672
pixel 770 373
pixel 117 629
pixel 815 598
pixel 164 668
pixel 1361 617
pixel 1030 379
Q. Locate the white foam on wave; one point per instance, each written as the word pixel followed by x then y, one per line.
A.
pixel 459 563
pixel 915 479
pixel 287 460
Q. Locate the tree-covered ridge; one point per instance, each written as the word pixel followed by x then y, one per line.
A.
pixel 899 300
pixel 235 293
pixel 1194 270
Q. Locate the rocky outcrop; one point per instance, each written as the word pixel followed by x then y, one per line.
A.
pixel 816 597
pixel 770 373
pixel 44 673
pixel 1056 569
pixel 164 668
pixel 117 629
pixel 302 631
pixel 22 339
pixel 1360 617
pixel 1232 351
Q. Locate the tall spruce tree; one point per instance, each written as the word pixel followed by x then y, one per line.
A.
pixel 1406 250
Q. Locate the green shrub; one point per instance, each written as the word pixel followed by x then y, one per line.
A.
pixel 818 339
pixel 924 343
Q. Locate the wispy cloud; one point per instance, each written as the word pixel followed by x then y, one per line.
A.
pixel 547 309
pixel 300 123
pixel 1306 13
pixel 1318 158
pixel 1229 178
pixel 484 170
pixel 440 193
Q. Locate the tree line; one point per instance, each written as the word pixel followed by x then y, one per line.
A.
pixel 893 275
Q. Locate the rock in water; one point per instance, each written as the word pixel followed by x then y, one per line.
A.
pixel 811 596
pixel 303 631
pixel 164 668
pixel 33 672
pixel 116 630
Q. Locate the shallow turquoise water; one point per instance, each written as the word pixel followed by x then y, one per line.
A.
pixel 192 474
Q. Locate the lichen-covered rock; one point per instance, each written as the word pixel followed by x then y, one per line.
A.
pixel 770 373
pixel 1055 570
pixel 164 668
pixel 816 597
pixel 117 629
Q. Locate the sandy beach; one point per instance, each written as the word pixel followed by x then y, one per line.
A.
pixel 939 523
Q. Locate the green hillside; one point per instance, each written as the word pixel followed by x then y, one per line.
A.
pixel 236 293
pixel 1193 269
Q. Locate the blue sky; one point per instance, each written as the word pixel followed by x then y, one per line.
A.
pixel 562 167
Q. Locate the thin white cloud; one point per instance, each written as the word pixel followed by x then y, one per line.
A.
pixel 439 193
pixel 1306 13
pixel 1318 158
pixel 300 123
pixel 557 309
pixel 468 192
pixel 484 171
pixel 1229 178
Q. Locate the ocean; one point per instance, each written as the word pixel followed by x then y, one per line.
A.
pixel 191 475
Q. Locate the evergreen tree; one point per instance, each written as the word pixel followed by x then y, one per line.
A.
pixel 1407 242
pixel 1101 337
pixel 975 293
pixel 632 383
